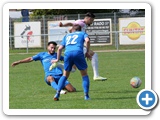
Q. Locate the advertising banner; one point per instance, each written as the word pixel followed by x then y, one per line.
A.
pixel 56 33
pixel 131 31
pixel 27 34
pixel 98 31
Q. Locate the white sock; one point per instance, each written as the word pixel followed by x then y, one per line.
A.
pixel 61 65
pixel 94 63
pixel 73 70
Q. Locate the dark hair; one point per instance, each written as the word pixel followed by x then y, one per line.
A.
pixel 52 42
pixel 89 14
pixel 76 27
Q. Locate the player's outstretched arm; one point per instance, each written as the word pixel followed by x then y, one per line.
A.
pixel 26 60
pixel 65 25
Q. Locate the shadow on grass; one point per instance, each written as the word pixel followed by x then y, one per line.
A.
pixel 114 98
pixel 116 91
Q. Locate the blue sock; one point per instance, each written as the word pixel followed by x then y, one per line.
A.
pixel 61 83
pixel 54 85
pixel 85 84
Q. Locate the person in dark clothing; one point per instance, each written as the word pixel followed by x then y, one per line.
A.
pixel 25 15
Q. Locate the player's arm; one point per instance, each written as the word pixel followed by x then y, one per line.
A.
pixel 65 25
pixel 59 52
pixel 87 42
pixel 26 60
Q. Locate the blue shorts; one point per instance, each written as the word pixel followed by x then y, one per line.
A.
pixel 74 57
pixel 56 78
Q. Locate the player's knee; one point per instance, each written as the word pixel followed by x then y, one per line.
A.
pixel 83 72
pixel 50 79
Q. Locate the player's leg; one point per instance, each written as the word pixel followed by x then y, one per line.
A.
pixel 81 64
pixel 61 84
pixel 61 65
pixel 51 81
pixel 73 68
pixel 85 83
pixel 68 63
pixel 69 87
pixel 94 63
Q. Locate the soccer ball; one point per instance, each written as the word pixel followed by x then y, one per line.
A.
pixel 135 82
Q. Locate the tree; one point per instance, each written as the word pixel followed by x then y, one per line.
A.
pixel 38 12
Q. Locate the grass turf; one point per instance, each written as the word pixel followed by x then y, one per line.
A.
pixel 27 89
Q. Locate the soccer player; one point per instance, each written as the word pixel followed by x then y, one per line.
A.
pixel 51 76
pixel 87 21
pixel 73 55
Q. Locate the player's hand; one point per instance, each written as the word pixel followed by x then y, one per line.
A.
pixel 54 61
pixel 60 24
pixel 88 56
pixel 15 63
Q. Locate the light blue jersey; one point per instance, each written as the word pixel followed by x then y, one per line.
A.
pixel 74 41
pixel 73 55
pixel 56 73
pixel 45 59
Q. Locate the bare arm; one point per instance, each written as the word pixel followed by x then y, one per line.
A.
pixel 26 60
pixel 65 25
pixel 59 52
pixel 87 42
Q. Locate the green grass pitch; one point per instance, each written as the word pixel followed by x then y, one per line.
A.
pixel 27 89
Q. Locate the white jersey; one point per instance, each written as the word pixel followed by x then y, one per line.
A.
pixel 81 23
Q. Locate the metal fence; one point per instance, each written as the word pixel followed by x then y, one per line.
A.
pixel 44 29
